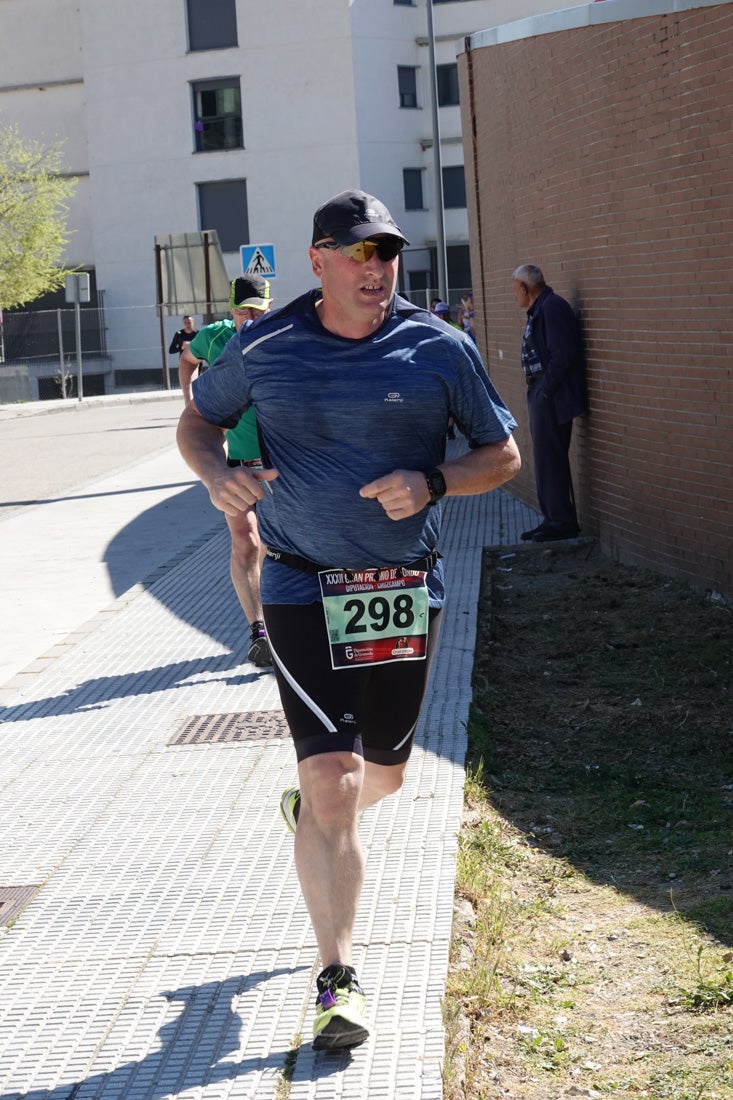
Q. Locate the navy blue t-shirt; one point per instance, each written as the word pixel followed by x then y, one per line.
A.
pixel 334 414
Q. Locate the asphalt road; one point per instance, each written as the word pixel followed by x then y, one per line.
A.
pixel 47 448
pixel 93 498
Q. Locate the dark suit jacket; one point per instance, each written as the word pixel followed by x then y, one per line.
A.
pixel 556 338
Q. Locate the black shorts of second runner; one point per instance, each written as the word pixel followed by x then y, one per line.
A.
pixel 371 711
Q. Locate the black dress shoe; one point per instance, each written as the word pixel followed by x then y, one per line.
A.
pixel 554 534
pixel 527 536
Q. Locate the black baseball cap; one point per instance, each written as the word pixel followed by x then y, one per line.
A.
pixel 353 216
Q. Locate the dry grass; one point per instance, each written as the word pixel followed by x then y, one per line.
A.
pixel 593 951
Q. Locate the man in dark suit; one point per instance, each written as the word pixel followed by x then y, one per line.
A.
pixel 553 365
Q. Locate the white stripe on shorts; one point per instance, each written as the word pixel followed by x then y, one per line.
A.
pixel 312 706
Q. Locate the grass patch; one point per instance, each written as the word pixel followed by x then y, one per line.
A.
pixel 593 940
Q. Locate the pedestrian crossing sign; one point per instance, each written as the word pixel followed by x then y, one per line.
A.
pixel 258 259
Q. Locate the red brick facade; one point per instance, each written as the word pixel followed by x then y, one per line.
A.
pixel 605 155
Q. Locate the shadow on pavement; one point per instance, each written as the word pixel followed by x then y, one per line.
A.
pixel 193 1051
pixel 182 518
pixel 95 694
pixel 90 496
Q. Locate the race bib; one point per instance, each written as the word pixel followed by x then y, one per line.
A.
pixel 375 617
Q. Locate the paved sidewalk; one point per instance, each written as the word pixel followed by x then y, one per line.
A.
pixel 94 498
pixel 165 950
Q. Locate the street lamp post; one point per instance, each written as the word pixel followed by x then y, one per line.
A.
pixel 437 165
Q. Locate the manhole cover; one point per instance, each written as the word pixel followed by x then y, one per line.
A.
pixel 13 899
pixel 248 725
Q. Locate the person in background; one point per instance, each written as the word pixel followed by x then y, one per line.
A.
pixel 182 337
pixel 465 315
pixel 554 370
pixel 249 300
pixel 353 388
pixel 442 310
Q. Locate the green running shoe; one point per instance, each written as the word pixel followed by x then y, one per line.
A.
pixel 290 807
pixel 340 1005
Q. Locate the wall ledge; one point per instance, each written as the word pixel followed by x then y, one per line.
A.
pixel 587 15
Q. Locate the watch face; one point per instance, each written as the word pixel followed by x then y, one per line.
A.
pixel 436 484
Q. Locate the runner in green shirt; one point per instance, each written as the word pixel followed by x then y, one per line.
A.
pixel 249 299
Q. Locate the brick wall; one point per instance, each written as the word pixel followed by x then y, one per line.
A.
pixel 605 155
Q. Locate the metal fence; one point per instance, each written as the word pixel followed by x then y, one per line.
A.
pixel 122 349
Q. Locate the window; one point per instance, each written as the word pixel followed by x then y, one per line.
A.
pixel 408 3
pixel 454 187
pixel 447 76
pixel 223 207
pixel 412 186
pixel 458 257
pixel 217 112
pixel 407 83
pixel 212 24
pixel 458 274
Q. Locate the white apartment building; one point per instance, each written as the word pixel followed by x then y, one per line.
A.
pixel 181 115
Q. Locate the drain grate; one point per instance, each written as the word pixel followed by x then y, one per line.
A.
pixel 13 900
pixel 248 725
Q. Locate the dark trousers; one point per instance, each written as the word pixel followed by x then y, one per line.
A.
pixel 551 444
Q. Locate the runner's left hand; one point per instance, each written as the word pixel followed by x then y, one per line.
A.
pixel 402 493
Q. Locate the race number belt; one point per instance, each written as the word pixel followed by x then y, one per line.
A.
pixel 294 561
pixel 374 616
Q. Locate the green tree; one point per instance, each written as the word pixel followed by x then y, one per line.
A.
pixel 33 211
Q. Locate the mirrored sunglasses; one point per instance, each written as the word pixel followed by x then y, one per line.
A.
pixel 386 248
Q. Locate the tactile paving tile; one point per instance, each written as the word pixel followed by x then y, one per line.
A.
pixel 159 1027
pixel 168 951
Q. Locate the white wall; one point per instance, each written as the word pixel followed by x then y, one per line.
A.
pixel 42 93
pixel 320 113
pixel 39 41
pixel 298 133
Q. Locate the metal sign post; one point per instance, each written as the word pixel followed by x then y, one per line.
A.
pixel 190 277
pixel 77 291
pixel 61 353
pixel 161 322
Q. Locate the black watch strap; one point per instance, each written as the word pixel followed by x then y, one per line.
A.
pixel 436 484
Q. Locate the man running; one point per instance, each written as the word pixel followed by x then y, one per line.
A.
pixel 353 388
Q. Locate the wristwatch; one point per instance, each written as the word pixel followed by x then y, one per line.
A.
pixel 436 484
